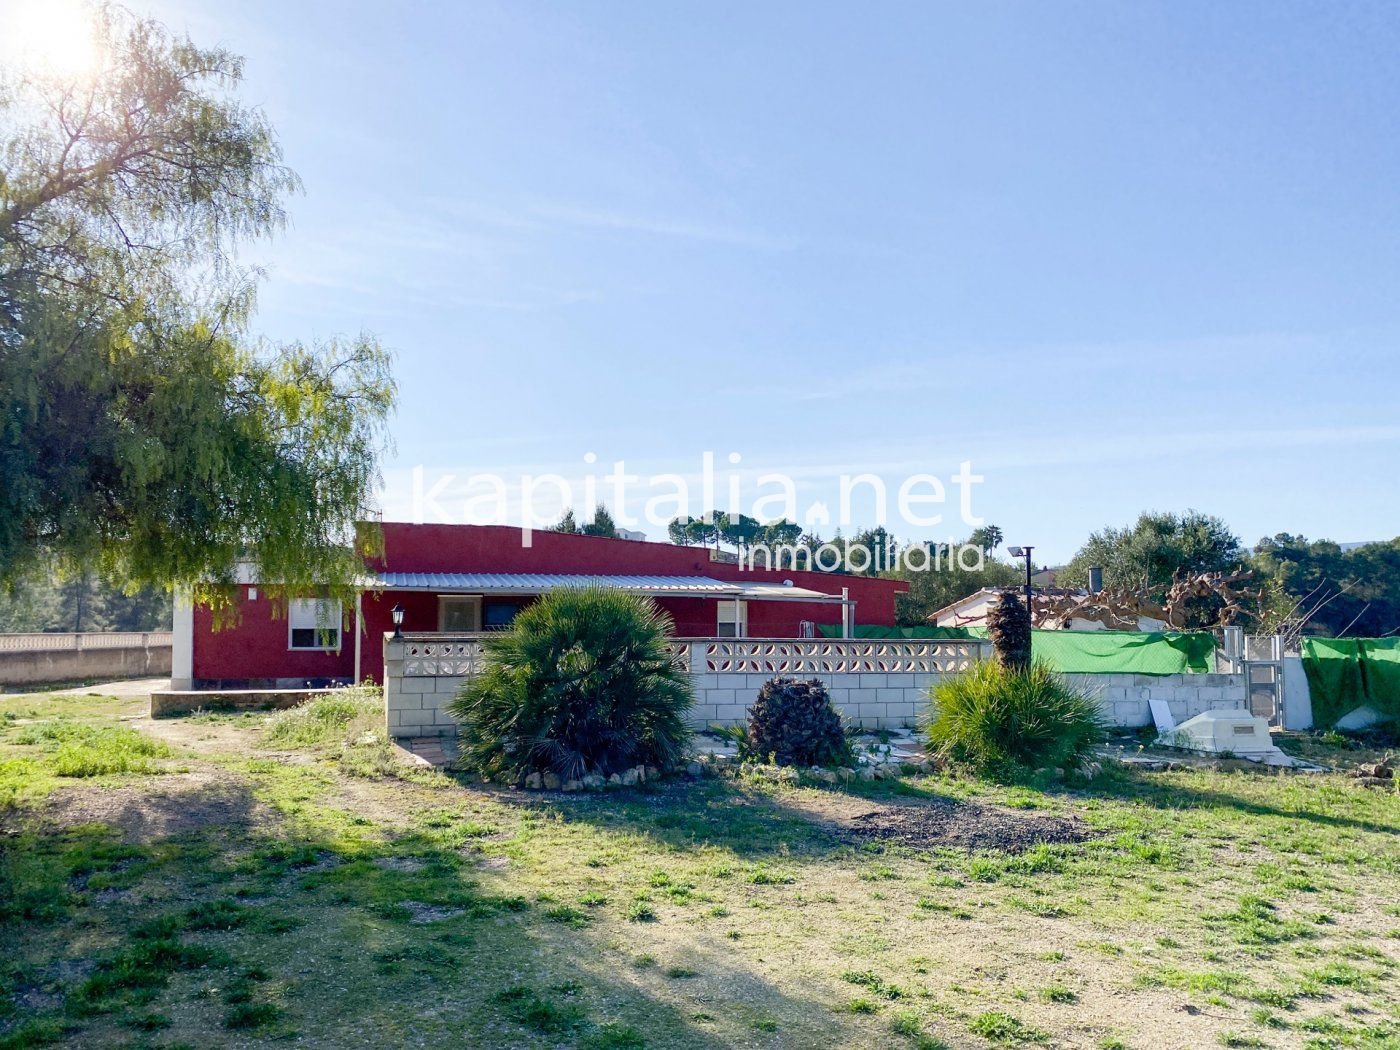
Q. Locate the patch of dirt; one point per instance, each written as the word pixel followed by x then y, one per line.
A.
pixel 386 802
pixel 947 824
pixel 203 737
pixel 426 913
pixel 158 807
pixel 965 825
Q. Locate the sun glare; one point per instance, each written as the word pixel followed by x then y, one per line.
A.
pixel 56 37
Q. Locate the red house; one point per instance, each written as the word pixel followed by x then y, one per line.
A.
pixel 472 578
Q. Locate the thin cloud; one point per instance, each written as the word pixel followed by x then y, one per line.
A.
pixel 694 231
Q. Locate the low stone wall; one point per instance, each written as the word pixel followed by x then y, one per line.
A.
pixel 874 683
pixel 168 703
pixel 37 659
pixel 871 699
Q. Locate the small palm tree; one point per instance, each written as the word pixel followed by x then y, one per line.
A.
pixel 1002 721
pixel 582 683
pixel 1009 627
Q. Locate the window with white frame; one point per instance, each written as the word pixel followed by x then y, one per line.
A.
pixel 733 620
pixel 313 623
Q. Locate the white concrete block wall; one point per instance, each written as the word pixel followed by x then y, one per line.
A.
pixel 1123 697
pixel 898 700
pixel 864 698
pixel 415 705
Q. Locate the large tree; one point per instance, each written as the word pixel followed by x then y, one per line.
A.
pixel 143 431
pixel 1318 587
pixel 1147 555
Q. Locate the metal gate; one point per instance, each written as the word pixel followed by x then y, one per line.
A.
pixel 1260 660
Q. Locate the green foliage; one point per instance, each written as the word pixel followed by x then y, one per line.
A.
pixel 601 525
pixel 1145 556
pixel 78 749
pixel 567 524
pixel 1002 721
pixel 988 537
pixel 690 532
pixel 1354 592
pixel 877 984
pixel 83 602
pixel 1009 627
pixel 998 1026
pixel 146 964
pixel 330 719
pixel 582 682
pixel 947 582
pixel 143 433
pixel 796 723
pixel 738 530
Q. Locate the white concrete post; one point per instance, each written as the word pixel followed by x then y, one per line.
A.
pixel 182 642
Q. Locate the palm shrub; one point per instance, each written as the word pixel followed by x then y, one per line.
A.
pixel 581 683
pixel 1009 627
pixel 1001 720
pixel 796 723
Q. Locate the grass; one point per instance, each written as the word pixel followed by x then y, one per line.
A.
pixel 80 749
pixel 327 720
pixel 715 913
pixel 997 1026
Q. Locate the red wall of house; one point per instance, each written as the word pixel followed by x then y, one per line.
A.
pixel 256 648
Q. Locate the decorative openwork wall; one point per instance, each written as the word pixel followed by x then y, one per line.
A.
pixel 876 682
pixel 56 642
pixel 440 656
pixel 839 657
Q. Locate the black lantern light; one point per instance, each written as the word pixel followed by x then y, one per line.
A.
pixel 397 613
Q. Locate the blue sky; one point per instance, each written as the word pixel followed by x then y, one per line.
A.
pixel 1119 256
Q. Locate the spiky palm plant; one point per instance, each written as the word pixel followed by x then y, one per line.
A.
pixel 1000 720
pixel 581 683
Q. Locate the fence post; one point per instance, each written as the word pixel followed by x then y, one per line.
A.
pixel 697 658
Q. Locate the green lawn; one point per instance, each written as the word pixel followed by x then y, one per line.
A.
pixel 232 880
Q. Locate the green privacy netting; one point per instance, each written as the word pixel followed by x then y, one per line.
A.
pixel 1125 652
pixel 1084 652
pixel 1347 673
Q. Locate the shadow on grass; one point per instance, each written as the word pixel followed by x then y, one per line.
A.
pixel 335 933
pixel 757 822
pixel 1152 789
pixel 679 815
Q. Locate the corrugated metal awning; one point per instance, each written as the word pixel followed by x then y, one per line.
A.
pixel 539 583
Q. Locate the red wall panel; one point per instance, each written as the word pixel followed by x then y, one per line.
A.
pixel 255 646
